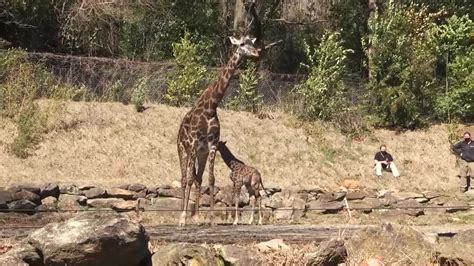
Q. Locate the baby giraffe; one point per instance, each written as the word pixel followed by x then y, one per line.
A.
pixel 240 175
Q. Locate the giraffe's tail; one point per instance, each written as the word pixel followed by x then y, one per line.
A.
pixel 264 190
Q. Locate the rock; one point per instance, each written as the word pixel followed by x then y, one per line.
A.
pixel 21 254
pixel 137 187
pixel 325 207
pixel 167 206
pixel 24 206
pixel 271 245
pixel 48 203
pixel 169 192
pixel 207 190
pixel 92 239
pixel 86 187
pixel 238 256
pixel 50 190
pixel 401 196
pixel 5 196
pixel 431 238
pixel 410 207
pixel 126 205
pixel 274 202
pixel 151 195
pixel 355 195
pixel 119 193
pixel 283 214
pixel 456 206
pixel 331 252
pixel 69 202
pixel 140 195
pixel 30 188
pixel 299 209
pixel 27 195
pixel 205 200
pixel 373 202
pixel 186 254
pixel 431 195
pixel 360 206
pixel 225 195
pixel 70 189
pixel 95 192
pixel 103 203
pixel 332 196
pixel 351 184
pixel 314 190
pixel 176 184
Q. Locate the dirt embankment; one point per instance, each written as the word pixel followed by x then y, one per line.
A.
pixel 111 144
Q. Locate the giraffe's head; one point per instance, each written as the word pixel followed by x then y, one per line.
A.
pixel 245 46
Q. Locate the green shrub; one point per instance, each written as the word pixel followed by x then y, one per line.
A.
pixel 29 131
pixel 248 98
pixel 21 84
pixel 454 45
pixel 187 82
pixel 322 93
pixel 139 94
pixel 401 88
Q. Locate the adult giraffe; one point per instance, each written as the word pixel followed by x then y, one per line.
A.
pixel 200 130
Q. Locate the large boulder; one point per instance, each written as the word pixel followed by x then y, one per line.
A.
pixel 27 195
pixel 92 239
pixel 332 252
pixel 22 254
pixel 238 256
pixel 186 254
pixel 50 190
pixel 95 192
pixel 71 202
pixel 119 193
pixel 325 207
pixel 24 206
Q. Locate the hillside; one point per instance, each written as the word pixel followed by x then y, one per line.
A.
pixel 111 144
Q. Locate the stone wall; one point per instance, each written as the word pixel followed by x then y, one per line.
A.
pixel 280 204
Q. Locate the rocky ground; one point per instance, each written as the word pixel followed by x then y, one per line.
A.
pixel 303 227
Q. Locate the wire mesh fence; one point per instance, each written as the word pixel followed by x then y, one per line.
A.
pixel 103 77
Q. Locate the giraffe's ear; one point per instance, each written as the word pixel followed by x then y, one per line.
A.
pixel 234 41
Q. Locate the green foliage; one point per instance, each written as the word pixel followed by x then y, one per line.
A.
pixel 454 41
pixel 29 131
pixel 21 84
pixel 187 83
pixel 401 67
pixel 139 94
pixel 248 98
pixel 323 91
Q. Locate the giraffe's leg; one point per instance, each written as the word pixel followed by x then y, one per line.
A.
pixel 201 161
pixel 183 162
pixel 259 200
pixel 190 180
pixel 253 209
pixel 237 187
pixel 212 157
pixel 229 211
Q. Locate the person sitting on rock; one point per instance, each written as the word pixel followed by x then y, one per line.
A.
pixel 465 152
pixel 384 161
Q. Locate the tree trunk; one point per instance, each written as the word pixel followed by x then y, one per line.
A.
pixel 370 49
pixel 239 15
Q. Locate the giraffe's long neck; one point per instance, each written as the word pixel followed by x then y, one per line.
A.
pixel 214 93
pixel 227 156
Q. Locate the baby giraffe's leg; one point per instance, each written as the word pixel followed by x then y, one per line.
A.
pixel 237 187
pixel 253 209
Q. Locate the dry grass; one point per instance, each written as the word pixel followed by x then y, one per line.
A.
pixel 111 144
pixel 399 245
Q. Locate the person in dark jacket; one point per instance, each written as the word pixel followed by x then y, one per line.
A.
pixel 465 152
pixel 384 161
